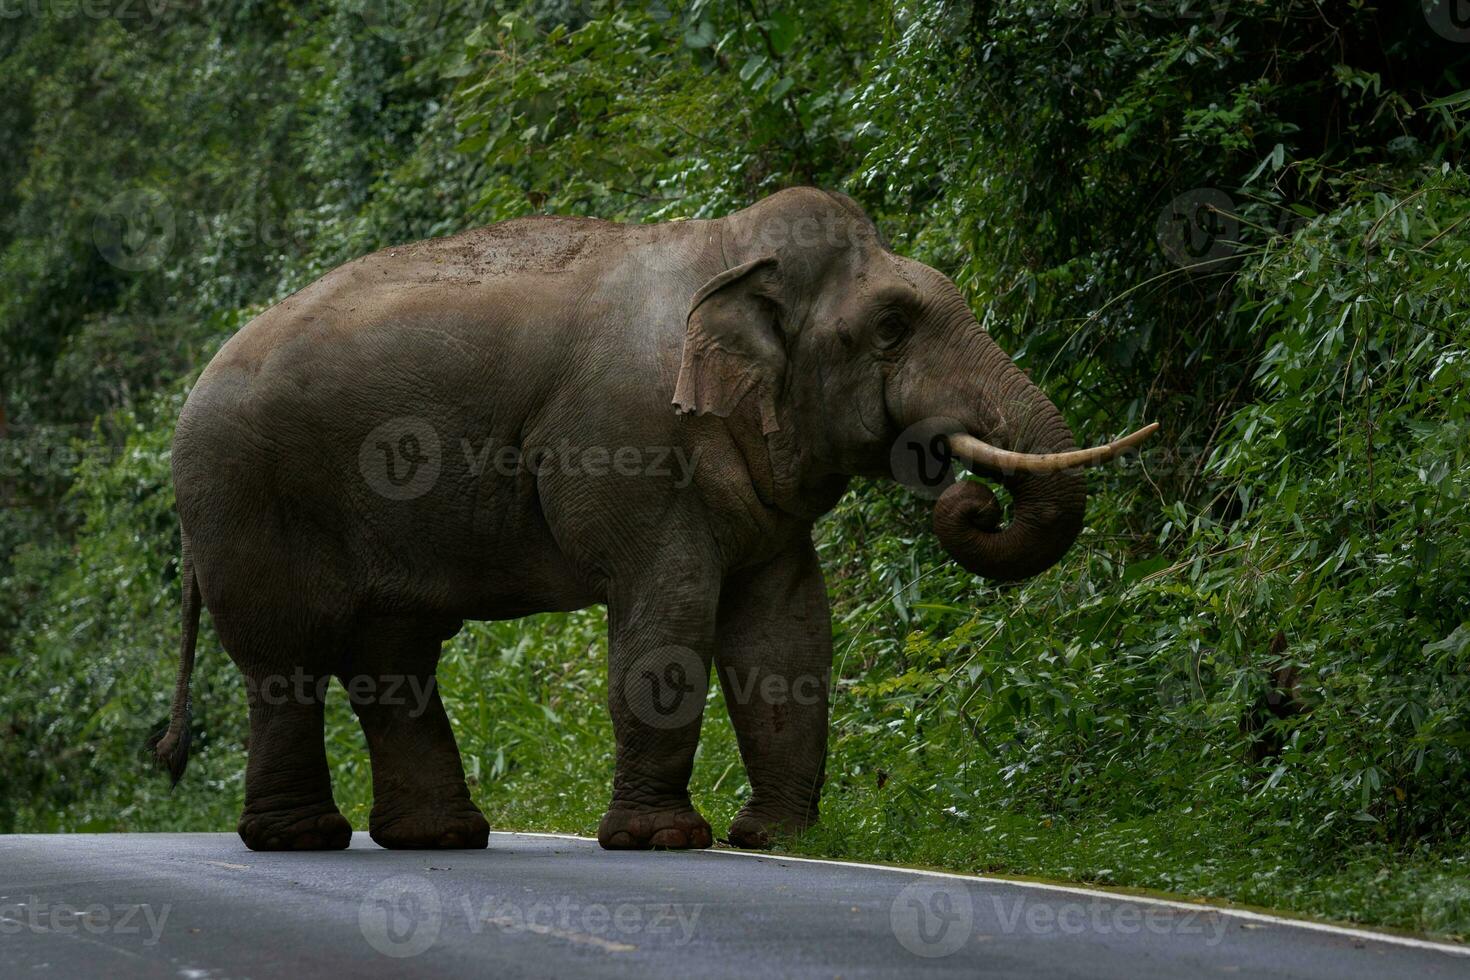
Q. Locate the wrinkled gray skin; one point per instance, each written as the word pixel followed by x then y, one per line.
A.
pixel 783 348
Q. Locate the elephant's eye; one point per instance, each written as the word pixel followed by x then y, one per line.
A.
pixel 892 327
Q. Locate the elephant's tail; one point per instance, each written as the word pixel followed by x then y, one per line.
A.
pixel 171 746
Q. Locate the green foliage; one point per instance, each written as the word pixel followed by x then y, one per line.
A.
pixel 732 101
pixel 1254 665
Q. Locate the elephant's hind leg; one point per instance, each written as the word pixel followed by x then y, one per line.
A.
pixel 288 788
pixel 419 795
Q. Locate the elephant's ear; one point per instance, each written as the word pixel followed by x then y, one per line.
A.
pixel 733 343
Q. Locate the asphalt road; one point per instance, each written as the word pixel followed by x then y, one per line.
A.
pixel 202 907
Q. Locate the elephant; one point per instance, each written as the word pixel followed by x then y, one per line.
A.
pixel 551 413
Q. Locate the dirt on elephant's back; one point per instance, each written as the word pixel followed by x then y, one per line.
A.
pixel 536 244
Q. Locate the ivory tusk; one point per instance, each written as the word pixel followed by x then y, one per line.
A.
pixel 978 452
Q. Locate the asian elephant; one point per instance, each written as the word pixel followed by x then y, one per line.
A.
pixel 553 412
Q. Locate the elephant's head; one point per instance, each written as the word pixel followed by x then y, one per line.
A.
pixel 844 346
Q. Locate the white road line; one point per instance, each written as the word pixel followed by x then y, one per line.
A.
pixel 514 924
pixel 1246 915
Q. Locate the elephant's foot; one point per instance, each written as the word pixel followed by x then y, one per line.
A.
pixel 318 828
pixel 627 827
pixel 455 826
pixel 757 830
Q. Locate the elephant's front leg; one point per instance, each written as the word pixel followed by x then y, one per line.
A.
pixel 774 658
pixel 660 640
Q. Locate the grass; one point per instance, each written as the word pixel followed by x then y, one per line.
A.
pixel 545 764
pixel 528 702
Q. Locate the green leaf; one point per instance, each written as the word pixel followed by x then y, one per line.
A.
pixel 1137 570
pixel 1453 645
pixel 1458 98
pixel 700 36
pixel 784 29
pixel 472 144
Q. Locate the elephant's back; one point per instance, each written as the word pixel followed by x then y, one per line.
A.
pixel 503 314
pixel 484 275
pixel 516 329
pixel 408 318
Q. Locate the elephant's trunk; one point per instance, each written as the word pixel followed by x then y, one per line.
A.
pixel 1046 516
pixel 1042 469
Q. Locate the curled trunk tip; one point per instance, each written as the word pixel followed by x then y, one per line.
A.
pixel 967 520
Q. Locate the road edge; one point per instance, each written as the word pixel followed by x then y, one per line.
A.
pixel 1224 908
